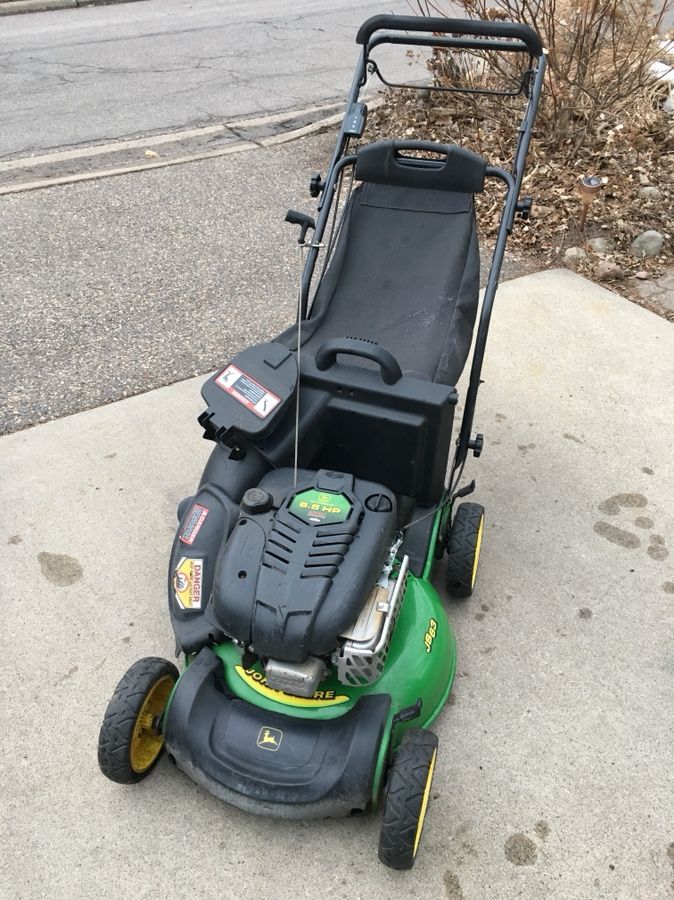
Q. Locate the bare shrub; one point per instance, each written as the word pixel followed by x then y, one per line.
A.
pixel 600 54
pixel 601 114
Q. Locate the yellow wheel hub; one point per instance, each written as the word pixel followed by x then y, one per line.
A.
pixel 476 557
pixel 424 803
pixel 146 743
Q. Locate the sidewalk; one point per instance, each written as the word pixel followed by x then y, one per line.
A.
pixel 554 776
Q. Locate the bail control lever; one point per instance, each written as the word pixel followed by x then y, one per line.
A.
pixel 303 220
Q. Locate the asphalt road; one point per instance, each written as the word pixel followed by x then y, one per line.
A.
pixel 105 72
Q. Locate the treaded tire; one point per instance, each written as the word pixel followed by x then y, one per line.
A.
pixel 119 721
pixel 463 550
pixel 406 798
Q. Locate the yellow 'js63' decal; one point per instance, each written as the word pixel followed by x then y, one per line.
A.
pixel 429 637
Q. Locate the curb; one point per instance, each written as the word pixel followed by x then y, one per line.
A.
pixel 236 147
pixel 16 7
pixel 242 144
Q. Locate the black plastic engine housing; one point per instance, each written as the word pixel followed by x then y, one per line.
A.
pixel 293 576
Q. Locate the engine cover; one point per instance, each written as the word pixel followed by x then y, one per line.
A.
pixel 297 569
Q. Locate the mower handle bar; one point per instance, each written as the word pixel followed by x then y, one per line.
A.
pixel 326 356
pixel 472 28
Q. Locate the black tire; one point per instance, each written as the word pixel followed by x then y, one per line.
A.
pixel 146 682
pixel 406 800
pixel 463 550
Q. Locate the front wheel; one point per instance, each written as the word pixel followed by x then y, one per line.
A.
pixel 130 740
pixel 407 796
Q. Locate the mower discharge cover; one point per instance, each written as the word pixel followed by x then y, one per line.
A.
pixel 249 396
pixel 296 571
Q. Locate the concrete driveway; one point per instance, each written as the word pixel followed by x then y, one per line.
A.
pixel 555 767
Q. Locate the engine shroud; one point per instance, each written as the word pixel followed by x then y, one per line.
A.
pixel 293 577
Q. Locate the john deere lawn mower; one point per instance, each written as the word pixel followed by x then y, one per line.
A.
pixel 316 650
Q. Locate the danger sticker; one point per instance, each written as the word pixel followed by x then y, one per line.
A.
pixel 195 520
pixel 253 395
pixel 187 583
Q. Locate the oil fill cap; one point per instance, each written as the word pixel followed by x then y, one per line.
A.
pixel 378 503
pixel 256 500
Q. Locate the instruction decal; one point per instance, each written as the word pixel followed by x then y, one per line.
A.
pixel 195 520
pixel 253 395
pixel 188 583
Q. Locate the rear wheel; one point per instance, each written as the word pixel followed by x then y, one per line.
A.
pixel 130 740
pixel 463 550
pixel 407 796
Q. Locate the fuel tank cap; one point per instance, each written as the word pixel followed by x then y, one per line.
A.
pixel 256 500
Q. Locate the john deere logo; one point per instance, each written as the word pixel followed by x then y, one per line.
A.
pixel 269 738
pixel 320 507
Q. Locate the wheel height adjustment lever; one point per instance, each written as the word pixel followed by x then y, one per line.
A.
pixel 303 220
pixel 408 714
pixel 464 491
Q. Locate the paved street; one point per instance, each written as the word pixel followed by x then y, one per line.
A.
pixel 105 72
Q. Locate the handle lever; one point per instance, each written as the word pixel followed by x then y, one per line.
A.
pixel 303 220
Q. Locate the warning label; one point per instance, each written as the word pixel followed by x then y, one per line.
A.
pixel 195 520
pixel 187 582
pixel 253 395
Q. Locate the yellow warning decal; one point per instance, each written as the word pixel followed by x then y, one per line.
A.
pixel 258 682
pixel 187 582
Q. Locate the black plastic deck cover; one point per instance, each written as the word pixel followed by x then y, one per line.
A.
pixel 269 763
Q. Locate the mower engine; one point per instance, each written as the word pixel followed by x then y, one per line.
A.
pixel 362 649
pixel 306 578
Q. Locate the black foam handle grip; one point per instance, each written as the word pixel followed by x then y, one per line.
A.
pixel 469 27
pixel 326 356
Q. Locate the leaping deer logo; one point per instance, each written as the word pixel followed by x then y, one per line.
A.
pixel 269 738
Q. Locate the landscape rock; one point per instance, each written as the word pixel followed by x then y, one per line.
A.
pixel 601 244
pixel 642 274
pixel 574 255
pixel 608 270
pixel 650 193
pixel 648 243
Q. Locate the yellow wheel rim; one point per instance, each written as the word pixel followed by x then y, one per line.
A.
pixel 424 803
pixel 146 743
pixel 476 557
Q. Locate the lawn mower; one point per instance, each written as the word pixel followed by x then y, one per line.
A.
pixel 316 650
